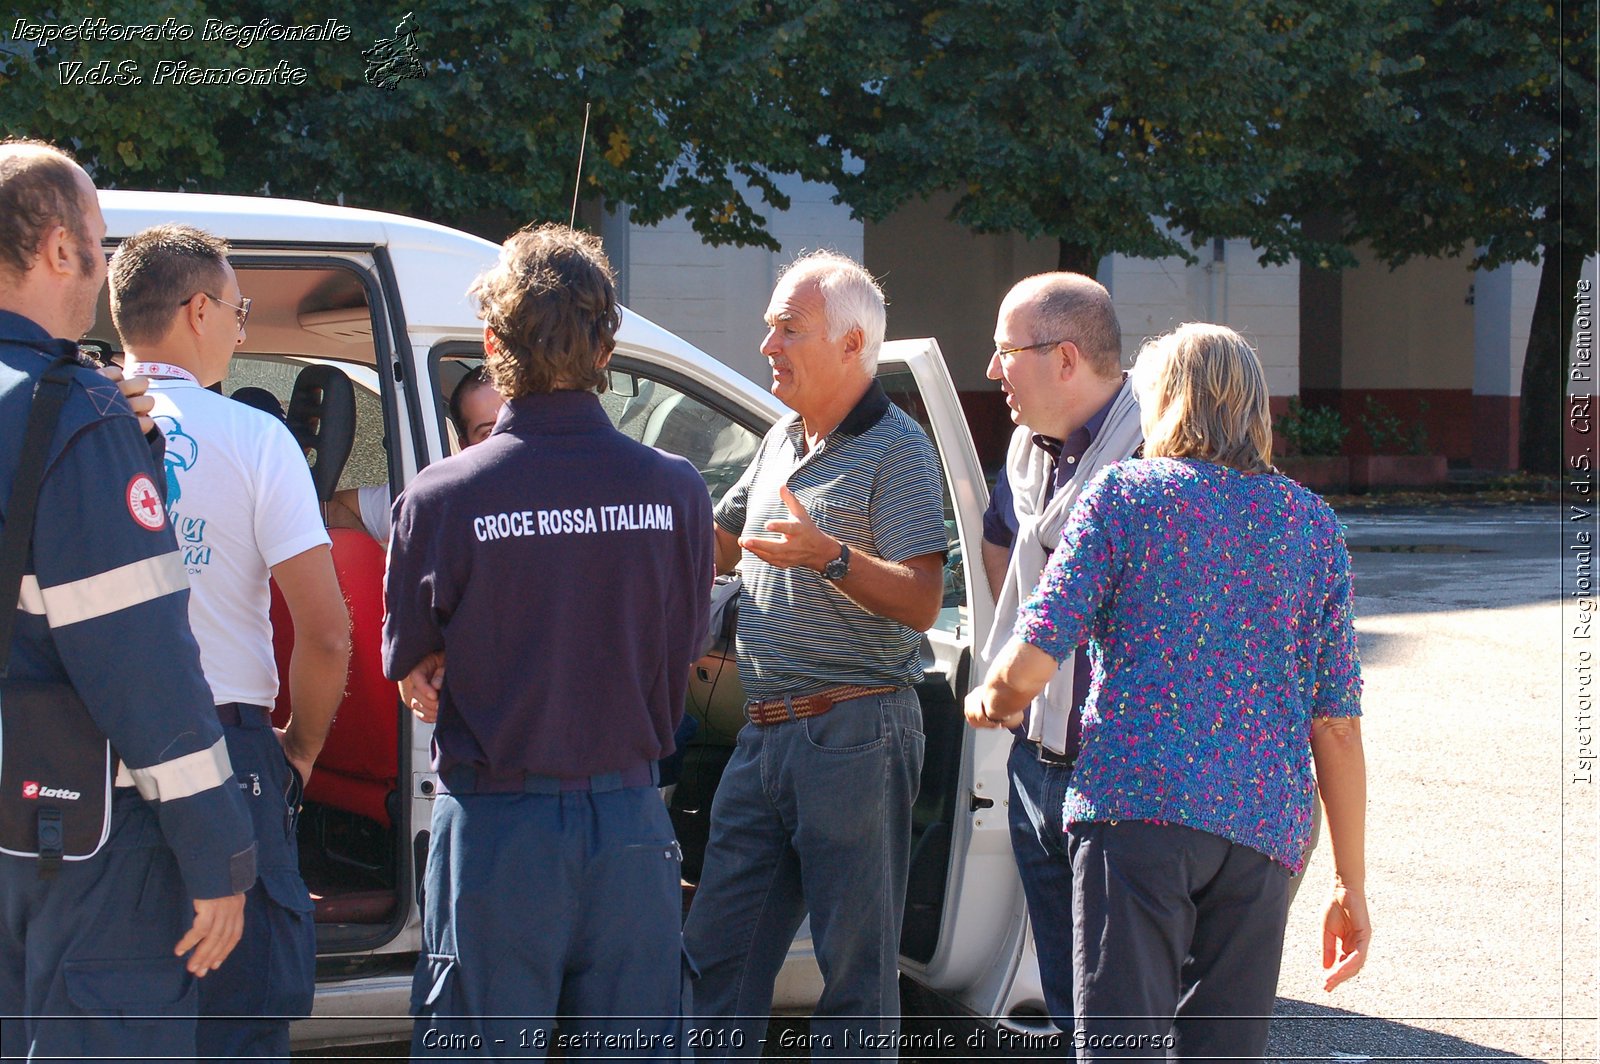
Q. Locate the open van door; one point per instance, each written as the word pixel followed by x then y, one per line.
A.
pixel 965 933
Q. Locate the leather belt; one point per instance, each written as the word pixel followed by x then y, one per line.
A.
pixel 1045 754
pixel 779 710
pixel 243 714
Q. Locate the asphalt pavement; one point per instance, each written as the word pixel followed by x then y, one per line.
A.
pixel 1481 849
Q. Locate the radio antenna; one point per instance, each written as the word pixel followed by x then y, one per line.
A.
pixel 578 181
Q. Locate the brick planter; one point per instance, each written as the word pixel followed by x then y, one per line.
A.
pixel 1369 471
pixel 1325 474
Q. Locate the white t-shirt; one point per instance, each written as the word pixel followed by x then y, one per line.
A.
pixel 241 500
pixel 375 504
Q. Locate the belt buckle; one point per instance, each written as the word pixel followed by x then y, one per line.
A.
pixel 1048 756
pixel 757 711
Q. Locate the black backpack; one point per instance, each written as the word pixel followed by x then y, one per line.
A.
pixel 55 762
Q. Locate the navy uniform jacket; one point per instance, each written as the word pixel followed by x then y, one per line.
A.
pixel 566 572
pixel 105 605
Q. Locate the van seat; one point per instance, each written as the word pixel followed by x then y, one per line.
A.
pixel 358 770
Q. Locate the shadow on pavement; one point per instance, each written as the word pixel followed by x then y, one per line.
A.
pixel 1302 1031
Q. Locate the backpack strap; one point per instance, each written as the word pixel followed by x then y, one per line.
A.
pixel 49 395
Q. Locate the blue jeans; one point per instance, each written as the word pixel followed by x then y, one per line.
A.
pixel 812 816
pixel 1039 840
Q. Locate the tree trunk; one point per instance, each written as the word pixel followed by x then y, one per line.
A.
pixel 1077 258
pixel 1544 370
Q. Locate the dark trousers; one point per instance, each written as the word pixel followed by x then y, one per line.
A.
pixel 1039 840
pixel 269 978
pixel 543 905
pixel 1178 935
pixel 87 970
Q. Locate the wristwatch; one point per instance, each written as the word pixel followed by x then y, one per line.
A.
pixel 839 568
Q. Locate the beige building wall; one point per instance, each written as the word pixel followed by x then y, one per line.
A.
pixel 947 282
pixel 943 280
pixel 1411 327
pixel 1262 303
pixel 716 297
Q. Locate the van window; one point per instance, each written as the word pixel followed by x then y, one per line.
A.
pixel 662 415
pixel 368 463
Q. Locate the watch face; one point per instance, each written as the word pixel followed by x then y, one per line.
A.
pixel 839 567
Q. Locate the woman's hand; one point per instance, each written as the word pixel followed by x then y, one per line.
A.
pixel 1342 783
pixel 1346 931
pixel 979 713
pixel 1015 679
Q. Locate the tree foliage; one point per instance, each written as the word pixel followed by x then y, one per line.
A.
pixel 1419 127
pixel 1114 126
pixel 493 128
pixel 1491 145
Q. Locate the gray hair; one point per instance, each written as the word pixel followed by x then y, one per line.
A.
pixel 851 299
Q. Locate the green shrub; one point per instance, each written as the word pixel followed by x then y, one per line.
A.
pixel 1312 431
pixel 1390 435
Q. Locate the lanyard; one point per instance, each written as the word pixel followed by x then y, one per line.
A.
pixel 161 371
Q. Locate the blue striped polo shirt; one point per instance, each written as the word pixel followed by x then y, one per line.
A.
pixel 874 483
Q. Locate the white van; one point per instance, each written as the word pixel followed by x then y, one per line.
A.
pixel 379 300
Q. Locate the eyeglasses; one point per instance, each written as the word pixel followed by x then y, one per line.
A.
pixel 1005 352
pixel 242 312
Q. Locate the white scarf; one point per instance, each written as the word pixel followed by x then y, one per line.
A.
pixel 1040 518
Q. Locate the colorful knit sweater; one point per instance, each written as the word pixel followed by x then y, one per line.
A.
pixel 1218 609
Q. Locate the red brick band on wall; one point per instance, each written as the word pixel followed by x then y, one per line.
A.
pixel 1479 431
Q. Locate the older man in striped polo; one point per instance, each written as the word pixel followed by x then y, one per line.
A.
pixel 838 530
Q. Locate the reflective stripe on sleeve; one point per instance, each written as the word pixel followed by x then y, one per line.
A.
pixel 183 776
pixel 104 593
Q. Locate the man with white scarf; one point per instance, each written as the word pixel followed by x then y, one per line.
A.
pixel 1057 355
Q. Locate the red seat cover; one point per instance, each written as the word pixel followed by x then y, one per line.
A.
pixel 359 765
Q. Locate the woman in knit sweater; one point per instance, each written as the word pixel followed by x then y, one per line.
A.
pixel 1215 596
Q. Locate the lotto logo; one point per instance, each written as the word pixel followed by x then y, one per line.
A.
pixel 31 789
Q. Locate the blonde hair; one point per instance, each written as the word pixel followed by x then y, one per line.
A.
pixel 1203 394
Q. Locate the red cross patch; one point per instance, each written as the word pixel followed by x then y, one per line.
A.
pixel 144 503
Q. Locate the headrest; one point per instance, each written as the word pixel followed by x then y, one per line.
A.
pixel 322 416
pixel 261 399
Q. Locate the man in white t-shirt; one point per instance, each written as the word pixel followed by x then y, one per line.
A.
pixel 242 503
pixel 474 407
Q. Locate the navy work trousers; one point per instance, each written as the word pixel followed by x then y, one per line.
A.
pixel 269 978
pixel 1178 935
pixel 91 948
pixel 545 906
